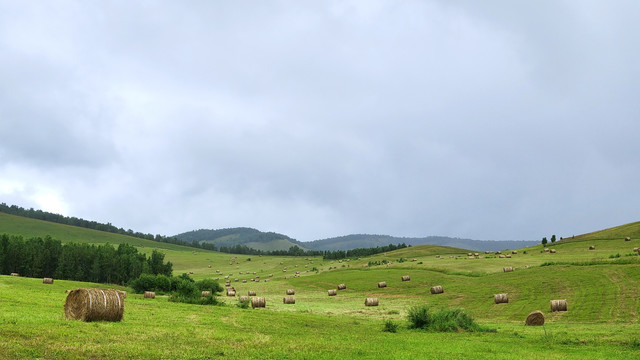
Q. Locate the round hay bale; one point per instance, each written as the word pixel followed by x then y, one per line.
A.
pixel 270 275
pixel 209 266
pixel 123 294
pixel 501 298
pixel 627 239
pixel 231 292
pixel 251 293
pixel 15 274
pixel 236 280
pixel 298 272
pixel 244 281
pixel 437 289
pixel 333 292
pixel 371 302
pixel 471 257
pixel 501 256
pixel 47 281
pixel 291 292
pixel 217 271
pixel 226 277
pixel 476 254
pixel 258 302
pixel 552 251
pixel 507 269
pixel 498 252
pixel 284 270
pixel 514 252
pixel 592 247
pixel 558 305
pixel 94 305
pixel 342 286
pixel 216 279
pixel 289 300
pixel 149 295
pixel 266 280
pixel 243 298
pixel 382 284
pixel 206 293
pixel 546 250
pixel 469 254
pixel 635 249
pixel 508 256
pixel 406 278
pixel 535 318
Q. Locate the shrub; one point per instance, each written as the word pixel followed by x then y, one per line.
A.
pixel 209 285
pixel 244 304
pixel 445 320
pixel 163 283
pixel 390 326
pixel 145 282
pixel 419 317
pixel 187 289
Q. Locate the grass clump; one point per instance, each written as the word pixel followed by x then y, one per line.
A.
pixel 244 304
pixel 445 320
pixel 390 326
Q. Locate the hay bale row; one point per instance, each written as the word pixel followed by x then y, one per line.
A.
pixel 47 281
pixel 507 269
pixel 501 298
pixel 94 305
pixel 437 289
pixel 149 295
pixel 333 292
pixel 291 292
pixel 535 318
pixel 558 305
pixel 382 284
pixel 371 302
pixel 257 302
pixel 342 286
pixel 406 278
pixel 289 300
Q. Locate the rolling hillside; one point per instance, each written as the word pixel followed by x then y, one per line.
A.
pixel 266 241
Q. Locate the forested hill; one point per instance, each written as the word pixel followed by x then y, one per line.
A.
pixel 369 241
pixel 266 241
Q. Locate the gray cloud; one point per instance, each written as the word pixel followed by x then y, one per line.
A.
pixel 492 121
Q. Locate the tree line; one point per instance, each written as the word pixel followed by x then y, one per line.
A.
pixel 47 257
pixel 359 252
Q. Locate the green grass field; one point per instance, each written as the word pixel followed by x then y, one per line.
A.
pixel 601 291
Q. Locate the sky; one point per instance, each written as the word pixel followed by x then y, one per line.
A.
pixel 491 120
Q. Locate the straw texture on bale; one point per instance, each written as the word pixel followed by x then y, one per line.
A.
pixel 231 292
pixel 291 292
pixel 507 269
pixel 536 318
pixel 206 293
pixel 382 284
pixel 406 278
pixel 251 293
pixel 94 305
pixel 342 286
pixel 149 295
pixel 371 302
pixel 15 274
pixel 243 298
pixel 501 298
pixel 558 305
pixel 333 292
pixel 47 281
pixel 123 294
pixel 257 302
pixel 437 289
pixel 288 300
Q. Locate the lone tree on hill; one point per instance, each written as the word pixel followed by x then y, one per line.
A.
pixel 544 241
pixel 553 238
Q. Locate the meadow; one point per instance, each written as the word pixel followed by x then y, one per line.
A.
pixel 600 287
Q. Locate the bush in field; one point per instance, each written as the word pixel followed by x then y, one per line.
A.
pixel 187 289
pixel 244 304
pixel 445 320
pixel 390 326
pixel 209 285
pixel 145 282
pixel 419 317
pixel 163 283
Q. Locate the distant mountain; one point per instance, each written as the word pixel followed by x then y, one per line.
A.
pixel 266 241
pixel 367 241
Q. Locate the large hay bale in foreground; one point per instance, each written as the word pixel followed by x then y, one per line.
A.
pixel 251 293
pixel 535 318
pixel 47 281
pixel 406 278
pixel 342 286
pixel 206 293
pixel 291 292
pixel 149 295
pixel 501 298
pixel 288 300
pixel 94 305
pixel 333 292
pixel 371 302
pixel 437 289
pixel 558 305
pixel 257 302
pixel 507 269
pixel 382 284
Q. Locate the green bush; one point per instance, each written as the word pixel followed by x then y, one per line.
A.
pixel 187 289
pixel 243 304
pixel 145 282
pixel 419 317
pixel 163 283
pixel 209 285
pixel 390 326
pixel 445 320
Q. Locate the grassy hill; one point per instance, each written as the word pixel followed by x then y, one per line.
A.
pixel 631 230
pixel 266 241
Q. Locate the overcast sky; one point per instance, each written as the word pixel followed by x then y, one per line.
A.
pixel 494 120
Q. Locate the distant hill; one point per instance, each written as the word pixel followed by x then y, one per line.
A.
pixel 266 241
pixel 367 241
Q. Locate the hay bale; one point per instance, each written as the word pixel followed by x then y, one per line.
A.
pixel 257 302
pixel 498 252
pixel 251 293
pixel 514 252
pixel 382 284
pixel 552 251
pixel 501 256
pixel 342 286
pixel 123 294
pixel 507 269
pixel 15 274
pixel 226 277
pixel 266 280
pixel 206 293
pixel 508 256
pixel 411 260
pixel 94 305
pixel 371 302
pixel 333 292
pixel 231 292
pixel 469 254
pixel 270 275
pixel 627 239
pixel 501 298
pixel 635 249
pixel 149 295
pixel 47 281
pixel 244 281
pixel 406 278
pixel 592 247
pixel 209 266
pixel 546 250
pixel 535 318
pixel 289 300
pixel 476 254
pixel 243 298
pixel 471 257
pixel 558 305
pixel 437 289
pixel 291 292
